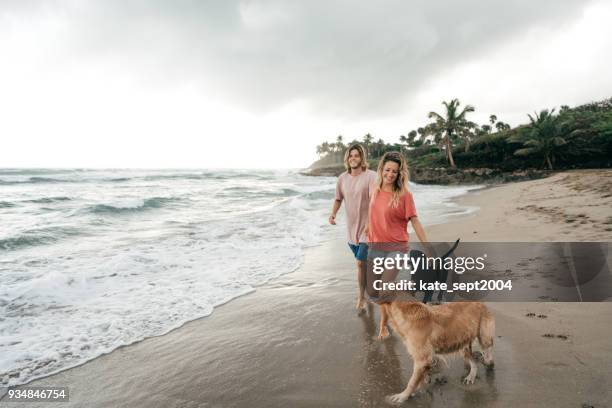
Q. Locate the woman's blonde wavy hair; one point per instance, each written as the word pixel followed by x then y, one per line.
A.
pixel 362 153
pixel 400 186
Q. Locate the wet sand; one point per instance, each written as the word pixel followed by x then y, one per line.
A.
pixel 298 341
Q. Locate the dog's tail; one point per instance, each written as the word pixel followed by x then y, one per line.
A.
pixel 486 334
pixel 450 251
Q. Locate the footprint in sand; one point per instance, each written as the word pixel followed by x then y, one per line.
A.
pixel 542 316
pixel 558 336
pixel 441 380
pixel 543 297
pixel 530 314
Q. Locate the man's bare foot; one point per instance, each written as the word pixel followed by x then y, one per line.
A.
pixel 361 306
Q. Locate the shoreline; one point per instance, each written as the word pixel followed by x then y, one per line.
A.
pixel 297 341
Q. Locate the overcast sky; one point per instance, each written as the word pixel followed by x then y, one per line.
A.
pixel 227 83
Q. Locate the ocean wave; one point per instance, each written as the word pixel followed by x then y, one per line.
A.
pixel 18 176
pixel 210 175
pixel 28 172
pixel 156 177
pixel 47 200
pixel 41 236
pixel 321 195
pixel 48 180
pixel 37 180
pixel 6 204
pixel 254 192
pixel 134 206
pixel 118 179
pixel 287 192
pixel 189 176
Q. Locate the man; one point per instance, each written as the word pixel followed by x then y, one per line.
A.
pixel 355 187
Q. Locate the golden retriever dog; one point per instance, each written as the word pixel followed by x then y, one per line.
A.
pixel 428 331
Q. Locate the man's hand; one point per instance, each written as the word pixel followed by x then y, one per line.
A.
pixel 332 219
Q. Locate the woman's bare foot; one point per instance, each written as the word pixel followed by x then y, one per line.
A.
pixel 384 333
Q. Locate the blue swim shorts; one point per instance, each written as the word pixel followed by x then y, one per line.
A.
pixel 360 251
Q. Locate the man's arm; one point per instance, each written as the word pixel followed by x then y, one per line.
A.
pixel 335 208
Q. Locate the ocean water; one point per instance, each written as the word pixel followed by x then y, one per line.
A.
pixel 94 259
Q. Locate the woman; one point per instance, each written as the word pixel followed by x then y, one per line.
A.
pixel 391 208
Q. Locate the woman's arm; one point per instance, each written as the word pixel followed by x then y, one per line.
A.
pixel 420 231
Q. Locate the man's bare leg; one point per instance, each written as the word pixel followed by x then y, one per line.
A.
pixel 361 278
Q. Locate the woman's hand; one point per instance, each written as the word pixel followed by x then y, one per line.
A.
pixel 420 232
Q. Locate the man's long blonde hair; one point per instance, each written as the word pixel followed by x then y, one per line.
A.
pixel 400 186
pixel 362 153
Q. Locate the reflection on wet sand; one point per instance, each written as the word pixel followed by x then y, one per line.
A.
pixel 381 373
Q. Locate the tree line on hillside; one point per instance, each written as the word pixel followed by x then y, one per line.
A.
pixel 570 137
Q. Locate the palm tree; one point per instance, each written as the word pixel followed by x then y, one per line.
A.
pixel 323 149
pixel 492 119
pixel 410 140
pixel 367 142
pixel 320 150
pixel 451 124
pixel 379 147
pixel 542 136
pixel 468 133
pixel 339 145
pixel 405 142
pixel 502 126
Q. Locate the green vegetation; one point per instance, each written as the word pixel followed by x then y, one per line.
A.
pixel 451 125
pixel 579 137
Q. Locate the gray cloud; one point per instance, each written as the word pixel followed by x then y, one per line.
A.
pixel 347 57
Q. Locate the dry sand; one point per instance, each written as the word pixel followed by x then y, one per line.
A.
pixel 297 341
pixel 568 206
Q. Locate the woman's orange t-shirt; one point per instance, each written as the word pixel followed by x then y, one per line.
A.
pixel 387 223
